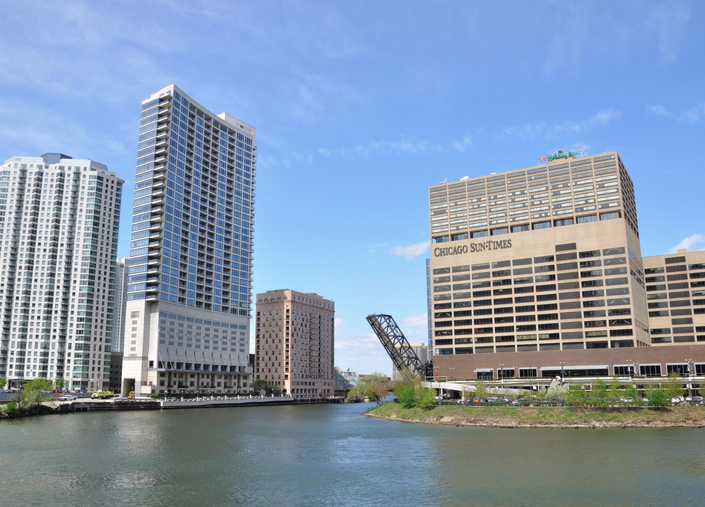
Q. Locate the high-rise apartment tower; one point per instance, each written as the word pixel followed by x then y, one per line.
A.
pixel 59 221
pixel 189 289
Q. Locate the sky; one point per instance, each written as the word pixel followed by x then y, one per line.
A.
pixel 361 106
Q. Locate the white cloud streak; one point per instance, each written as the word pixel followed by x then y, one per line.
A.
pixel 670 27
pixel 542 130
pixel 691 115
pixel 693 243
pixel 410 252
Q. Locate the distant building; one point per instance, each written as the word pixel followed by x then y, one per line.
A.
pixel 60 223
pixel 121 273
pixel 115 371
pixel 294 342
pixel 420 350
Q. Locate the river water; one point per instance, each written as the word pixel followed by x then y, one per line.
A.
pixel 330 455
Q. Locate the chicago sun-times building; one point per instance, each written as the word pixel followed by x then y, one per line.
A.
pixel 540 269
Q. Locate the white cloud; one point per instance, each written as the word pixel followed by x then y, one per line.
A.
pixel 690 116
pixel 374 248
pixel 658 110
pixel 340 324
pixel 693 115
pixel 410 252
pixel 463 144
pixel 415 328
pixel 690 243
pixel 402 146
pixel 542 130
pixel 670 27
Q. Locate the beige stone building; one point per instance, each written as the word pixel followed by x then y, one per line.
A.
pixel 420 349
pixel 675 293
pixel 294 342
pixel 544 258
pixel 528 265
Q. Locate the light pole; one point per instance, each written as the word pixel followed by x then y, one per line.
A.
pixel 562 363
pixel 501 373
pixel 690 378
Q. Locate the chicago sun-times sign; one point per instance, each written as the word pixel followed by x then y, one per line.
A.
pixel 484 246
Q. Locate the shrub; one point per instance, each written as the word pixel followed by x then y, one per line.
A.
pixel 405 395
pixel 425 398
pixel 12 409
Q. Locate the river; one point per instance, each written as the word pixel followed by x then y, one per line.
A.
pixel 330 455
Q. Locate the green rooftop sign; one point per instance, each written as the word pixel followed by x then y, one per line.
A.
pixel 560 154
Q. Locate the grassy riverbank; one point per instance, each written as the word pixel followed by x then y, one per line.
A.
pixel 546 417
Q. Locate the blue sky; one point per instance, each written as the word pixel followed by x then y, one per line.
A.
pixel 360 106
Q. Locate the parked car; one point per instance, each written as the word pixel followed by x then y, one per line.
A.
pixel 67 397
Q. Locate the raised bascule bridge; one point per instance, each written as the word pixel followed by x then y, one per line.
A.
pixel 410 365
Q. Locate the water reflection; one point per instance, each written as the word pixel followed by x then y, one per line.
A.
pixel 330 455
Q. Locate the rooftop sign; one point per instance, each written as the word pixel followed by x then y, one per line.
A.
pixel 560 154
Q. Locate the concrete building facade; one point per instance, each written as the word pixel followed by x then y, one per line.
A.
pixel 675 293
pixel 190 269
pixel 533 263
pixel 59 218
pixel 121 278
pixel 421 350
pixel 295 342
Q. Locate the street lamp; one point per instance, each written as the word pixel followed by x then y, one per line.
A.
pixel 690 380
pixel 562 363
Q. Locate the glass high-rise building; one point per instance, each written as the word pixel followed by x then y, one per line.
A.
pixel 190 269
pixel 59 220
pixel 122 268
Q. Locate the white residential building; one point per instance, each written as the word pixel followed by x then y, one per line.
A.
pixel 59 221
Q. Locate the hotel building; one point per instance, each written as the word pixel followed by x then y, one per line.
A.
pixel 59 220
pixel 190 268
pixel 295 341
pixel 544 265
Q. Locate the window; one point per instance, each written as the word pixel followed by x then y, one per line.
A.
pixel 478 234
pixel 562 222
pixel 541 225
pixel 520 228
pixel 587 218
pixel 610 216
pixel 501 230
pixel 459 237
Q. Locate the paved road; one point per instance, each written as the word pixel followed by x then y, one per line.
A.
pixel 11 396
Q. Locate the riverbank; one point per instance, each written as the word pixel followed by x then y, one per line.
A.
pixel 546 417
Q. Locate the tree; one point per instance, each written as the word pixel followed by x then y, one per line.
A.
pixel 59 383
pixel 425 398
pixel 33 393
pixel 702 390
pixel 480 390
pixel 405 393
pixel 674 386
pixel 3 381
pixel 614 393
pixel 599 393
pixel 576 395
pixel 374 387
pixel 260 385
pixel 631 393
pixel 657 396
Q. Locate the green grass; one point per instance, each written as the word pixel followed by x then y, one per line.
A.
pixel 542 415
